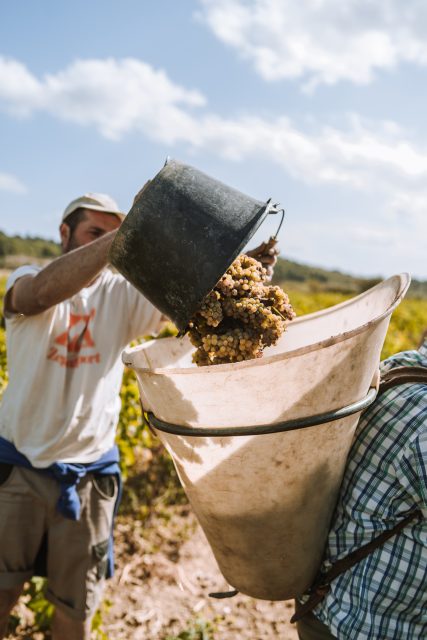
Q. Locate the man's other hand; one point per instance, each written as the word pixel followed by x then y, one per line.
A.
pixel 266 253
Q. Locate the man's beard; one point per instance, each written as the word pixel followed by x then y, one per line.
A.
pixel 71 244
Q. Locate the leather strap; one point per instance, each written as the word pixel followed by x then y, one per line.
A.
pixel 321 586
pixel 402 375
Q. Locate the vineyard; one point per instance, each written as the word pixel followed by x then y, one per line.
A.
pixel 155 526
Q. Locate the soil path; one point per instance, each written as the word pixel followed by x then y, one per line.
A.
pixel 165 572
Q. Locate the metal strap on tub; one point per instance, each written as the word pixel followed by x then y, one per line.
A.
pixel 263 429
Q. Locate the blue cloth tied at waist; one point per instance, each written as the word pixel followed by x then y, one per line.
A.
pixel 68 475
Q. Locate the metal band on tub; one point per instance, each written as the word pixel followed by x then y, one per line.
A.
pixel 263 429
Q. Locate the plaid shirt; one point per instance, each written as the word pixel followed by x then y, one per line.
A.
pixel 385 595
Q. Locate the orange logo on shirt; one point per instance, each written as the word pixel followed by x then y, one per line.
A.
pixel 78 334
pixel 75 338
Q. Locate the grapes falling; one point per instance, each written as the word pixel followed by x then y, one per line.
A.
pixel 240 316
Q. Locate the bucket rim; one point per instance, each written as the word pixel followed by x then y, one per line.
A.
pixel 403 278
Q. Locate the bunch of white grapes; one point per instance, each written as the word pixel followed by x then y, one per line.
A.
pixel 240 317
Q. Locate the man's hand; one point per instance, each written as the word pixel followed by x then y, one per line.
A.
pixel 266 253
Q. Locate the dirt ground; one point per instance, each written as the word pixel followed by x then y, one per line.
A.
pixel 165 572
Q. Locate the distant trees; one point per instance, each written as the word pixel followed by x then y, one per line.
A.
pixel 294 275
pixel 31 246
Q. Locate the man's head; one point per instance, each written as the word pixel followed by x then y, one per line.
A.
pixel 88 218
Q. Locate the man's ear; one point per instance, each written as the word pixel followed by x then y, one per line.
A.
pixel 65 232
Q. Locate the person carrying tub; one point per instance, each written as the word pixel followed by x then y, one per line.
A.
pixel 379 592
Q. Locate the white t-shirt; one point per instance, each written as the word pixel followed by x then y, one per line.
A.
pixel 62 402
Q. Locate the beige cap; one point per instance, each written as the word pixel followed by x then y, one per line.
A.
pixel 96 202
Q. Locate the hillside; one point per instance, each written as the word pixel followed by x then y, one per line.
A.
pixel 310 278
pixel 16 250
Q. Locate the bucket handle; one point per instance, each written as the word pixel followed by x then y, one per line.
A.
pixel 273 210
pixel 263 429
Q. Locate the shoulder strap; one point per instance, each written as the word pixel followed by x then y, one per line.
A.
pixel 321 586
pixel 402 375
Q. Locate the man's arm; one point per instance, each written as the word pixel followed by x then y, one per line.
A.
pixel 61 279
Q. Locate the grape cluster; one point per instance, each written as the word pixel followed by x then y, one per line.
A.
pixel 240 316
pixel 211 309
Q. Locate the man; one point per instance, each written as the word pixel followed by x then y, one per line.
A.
pixel 66 327
pixel 382 596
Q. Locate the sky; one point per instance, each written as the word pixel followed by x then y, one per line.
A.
pixel 318 104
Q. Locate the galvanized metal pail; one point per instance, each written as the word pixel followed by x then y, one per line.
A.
pixel 181 235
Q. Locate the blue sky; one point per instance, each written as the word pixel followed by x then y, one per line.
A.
pixel 318 104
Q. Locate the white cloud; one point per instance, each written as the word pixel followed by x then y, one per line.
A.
pixel 20 91
pixel 115 96
pixel 363 155
pixel 119 97
pixel 122 96
pixel 372 158
pixel 321 41
pixel 11 183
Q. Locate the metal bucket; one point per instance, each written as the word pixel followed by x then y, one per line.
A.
pixel 265 501
pixel 181 235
